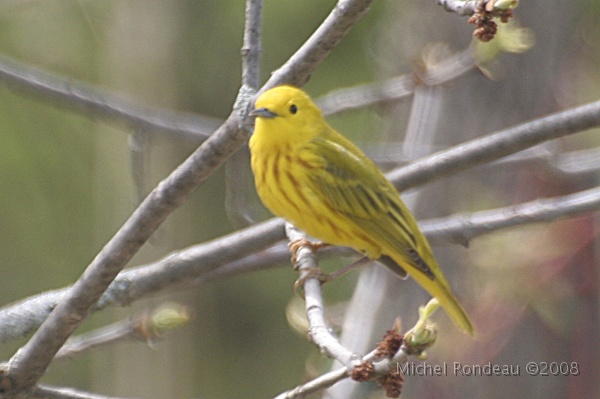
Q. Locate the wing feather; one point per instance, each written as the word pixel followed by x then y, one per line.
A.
pixel 354 186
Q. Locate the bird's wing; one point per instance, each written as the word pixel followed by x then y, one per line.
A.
pixel 354 186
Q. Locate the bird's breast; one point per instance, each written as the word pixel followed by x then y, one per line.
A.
pixel 283 182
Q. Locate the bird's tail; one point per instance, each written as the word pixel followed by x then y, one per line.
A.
pixel 437 286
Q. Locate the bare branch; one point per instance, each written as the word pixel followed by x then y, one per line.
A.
pixel 381 365
pixel 251 48
pixel 90 100
pixel 21 318
pixel 461 228
pixel 396 88
pixel 238 175
pixel 338 23
pixel 318 384
pixel 217 259
pixel 469 7
pixel 496 145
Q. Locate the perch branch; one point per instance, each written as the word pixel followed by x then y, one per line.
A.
pixel 319 332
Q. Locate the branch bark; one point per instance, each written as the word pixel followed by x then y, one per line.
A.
pixel 319 332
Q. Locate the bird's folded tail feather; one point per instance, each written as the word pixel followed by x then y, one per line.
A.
pixel 437 287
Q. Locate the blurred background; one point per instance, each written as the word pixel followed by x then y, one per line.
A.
pixel 68 186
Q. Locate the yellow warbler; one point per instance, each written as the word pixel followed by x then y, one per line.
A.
pixel 312 176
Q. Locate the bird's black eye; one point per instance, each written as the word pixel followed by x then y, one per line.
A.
pixel 293 109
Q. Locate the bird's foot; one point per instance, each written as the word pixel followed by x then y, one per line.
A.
pixel 294 246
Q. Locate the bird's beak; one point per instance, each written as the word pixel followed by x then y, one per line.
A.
pixel 263 113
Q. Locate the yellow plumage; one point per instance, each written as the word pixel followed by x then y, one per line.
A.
pixel 312 176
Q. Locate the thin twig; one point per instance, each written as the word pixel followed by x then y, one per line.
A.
pixel 396 88
pixel 327 380
pixel 149 327
pixel 461 7
pixel 320 383
pixel 469 7
pixel 237 173
pixel 49 392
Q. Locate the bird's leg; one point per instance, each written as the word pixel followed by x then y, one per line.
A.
pixel 350 267
pixel 326 277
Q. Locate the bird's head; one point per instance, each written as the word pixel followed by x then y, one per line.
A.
pixel 286 113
